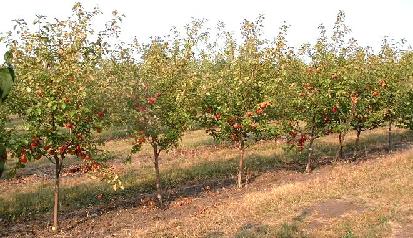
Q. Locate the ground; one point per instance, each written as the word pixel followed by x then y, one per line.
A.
pixel 371 196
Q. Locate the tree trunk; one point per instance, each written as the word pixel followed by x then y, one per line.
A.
pixel 3 158
pixel 55 226
pixel 241 163
pixel 58 168
pixel 389 136
pixel 358 138
pixel 158 176
pixel 310 154
pixel 357 147
pixel 341 140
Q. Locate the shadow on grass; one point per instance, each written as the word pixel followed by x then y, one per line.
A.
pixel 286 230
pixel 251 230
pixel 80 200
pixel 369 146
pixel 96 198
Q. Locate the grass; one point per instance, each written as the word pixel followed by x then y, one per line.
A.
pixel 137 181
pixel 381 187
pixel 286 230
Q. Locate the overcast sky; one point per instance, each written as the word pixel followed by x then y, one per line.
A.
pixel 370 20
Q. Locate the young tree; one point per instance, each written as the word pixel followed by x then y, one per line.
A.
pixel 158 114
pixel 320 97
pixel 57 63
pixel 389 81
pixel 366 107
pixel 314 105
pixel 234 107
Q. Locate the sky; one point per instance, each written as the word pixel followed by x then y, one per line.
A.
pixel 370 20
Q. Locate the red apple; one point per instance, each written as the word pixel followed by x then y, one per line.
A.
pixel 62 149
pixel 23 157
pixel 249 114
pixel 101 114
pixel 237 126
pixel 69 125
pixel 263 105
pixel 151 100
pixel 259 111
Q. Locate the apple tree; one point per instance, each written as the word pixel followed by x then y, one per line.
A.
pixel 364 93
pixel 158 115
pixel 234 107
pixel 389 84
pixel 57 63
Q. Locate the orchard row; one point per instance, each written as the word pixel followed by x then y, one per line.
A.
pixel 73 81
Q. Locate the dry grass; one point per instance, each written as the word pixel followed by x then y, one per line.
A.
pixel 381 191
